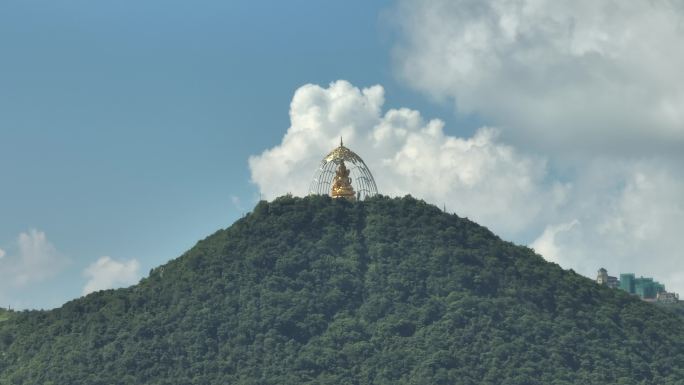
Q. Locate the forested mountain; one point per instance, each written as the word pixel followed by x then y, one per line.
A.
pixel 677 308
pixel 321 291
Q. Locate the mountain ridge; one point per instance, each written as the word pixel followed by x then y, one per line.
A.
pixel 317 290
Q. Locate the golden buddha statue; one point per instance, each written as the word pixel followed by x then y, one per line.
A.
pixel 341 186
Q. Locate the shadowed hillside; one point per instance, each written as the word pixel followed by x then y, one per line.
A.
pixel 321 291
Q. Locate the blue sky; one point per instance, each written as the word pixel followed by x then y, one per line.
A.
pixel 126 128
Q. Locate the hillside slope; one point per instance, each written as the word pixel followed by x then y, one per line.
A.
pixel 321 291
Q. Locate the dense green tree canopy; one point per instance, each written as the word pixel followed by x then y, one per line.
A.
pixel 322 291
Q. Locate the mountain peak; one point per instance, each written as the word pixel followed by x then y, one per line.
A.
pixel 332 291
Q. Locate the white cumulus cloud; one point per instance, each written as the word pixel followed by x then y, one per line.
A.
pixel 108 273
pixel 31 261
pixel 593 76
pixel 478 176
pixel 546 243
pixel 629 221
pixel 35 260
